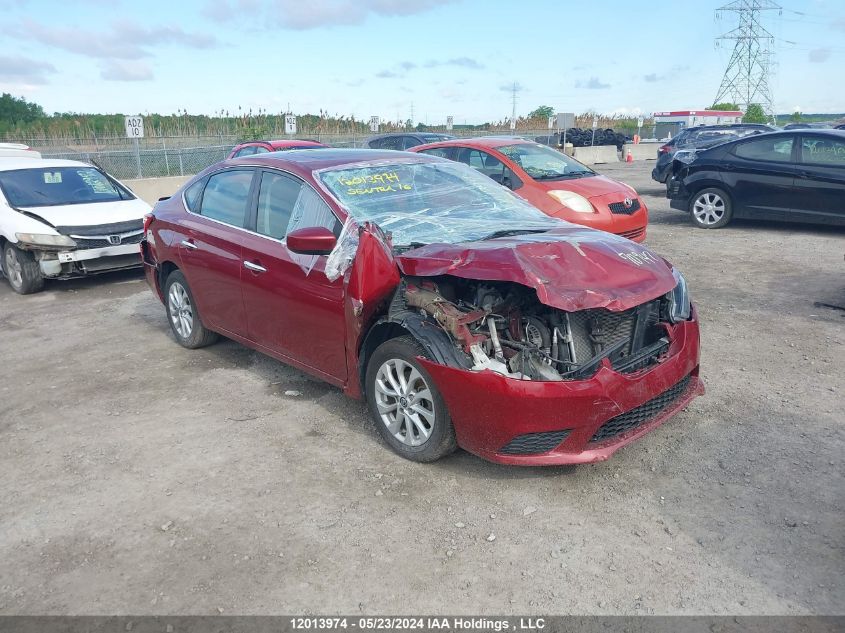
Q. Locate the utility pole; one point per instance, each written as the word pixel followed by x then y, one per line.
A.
pixel 746 78
pixel 412 114
pixel 513 113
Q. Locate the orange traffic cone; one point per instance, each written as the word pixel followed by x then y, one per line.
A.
pixel 629 158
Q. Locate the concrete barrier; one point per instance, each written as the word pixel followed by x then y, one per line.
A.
pixel 151 189
pixel 640 151
pixel 596 154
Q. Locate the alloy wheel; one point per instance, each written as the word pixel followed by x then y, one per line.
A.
pixel 14 271
pixel 405 402
pixel 709 208
pixel 181 311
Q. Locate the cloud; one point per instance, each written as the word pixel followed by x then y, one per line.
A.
pixel 402 68
pixel 24 70
pixel 593 83
pixel 126 71
pixel 123 40
pixel 461 62
pixel 511 87
pixel 818 55
pixel 670 74
pixel 838 25
pixel 301 16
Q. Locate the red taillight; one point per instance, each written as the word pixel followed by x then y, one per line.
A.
pixel 664 149
pixel 148 219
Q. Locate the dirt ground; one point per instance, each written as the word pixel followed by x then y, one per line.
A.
pixel 139 477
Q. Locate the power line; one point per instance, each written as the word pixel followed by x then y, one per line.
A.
pixel 747 76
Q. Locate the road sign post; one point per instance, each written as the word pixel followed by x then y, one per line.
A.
pixel 290 124
pixel 134 126
pixel 449 122
pixel 595 125
pixel 639 126
pixel 564 121
pixel 374 123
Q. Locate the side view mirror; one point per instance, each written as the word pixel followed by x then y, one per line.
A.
pixel 312 240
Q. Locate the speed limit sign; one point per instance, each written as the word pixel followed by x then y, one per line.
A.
pixel 134 126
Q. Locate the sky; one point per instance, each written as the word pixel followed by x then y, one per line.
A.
pixel 401 59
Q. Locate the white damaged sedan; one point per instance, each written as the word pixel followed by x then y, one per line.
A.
pixel 63 218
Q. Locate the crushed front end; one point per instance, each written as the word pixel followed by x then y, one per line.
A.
pixel 526 383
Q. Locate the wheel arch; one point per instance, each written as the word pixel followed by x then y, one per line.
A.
pixel 165 268
pixel 437 344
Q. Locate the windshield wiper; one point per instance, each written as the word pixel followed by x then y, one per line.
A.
pixel 569 174
pixel 510 232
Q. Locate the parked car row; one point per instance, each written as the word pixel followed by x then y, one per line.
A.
pixel 84 239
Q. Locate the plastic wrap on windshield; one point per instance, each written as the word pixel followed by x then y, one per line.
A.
pixel 431 202
pixel 340 259
pixel 309 210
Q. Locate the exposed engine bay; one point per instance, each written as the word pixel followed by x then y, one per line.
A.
pixel 501 326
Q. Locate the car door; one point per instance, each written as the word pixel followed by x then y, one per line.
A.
pixel 210 249
pixel 820 181
pixel 292 309
pixel 760 175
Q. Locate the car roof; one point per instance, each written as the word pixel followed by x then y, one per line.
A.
pixel 308 160
pixel 292 142
pixel 10 163
pixel 490 142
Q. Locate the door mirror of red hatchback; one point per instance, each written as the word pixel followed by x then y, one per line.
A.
pixel 312 240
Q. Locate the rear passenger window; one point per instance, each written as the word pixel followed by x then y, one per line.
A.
pixel 442 152
pixel 777 149
pixel 192 196
pixel 276 199
pixel 226 195
pixel 246 151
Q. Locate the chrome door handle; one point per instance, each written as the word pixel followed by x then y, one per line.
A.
pixel 256 268
pixel 189 245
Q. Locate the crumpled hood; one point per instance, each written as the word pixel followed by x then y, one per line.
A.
pixel 570 268
pixel 92 214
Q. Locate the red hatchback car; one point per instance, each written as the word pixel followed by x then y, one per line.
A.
pixel 464 316
pixel 263 147
pixel 553 182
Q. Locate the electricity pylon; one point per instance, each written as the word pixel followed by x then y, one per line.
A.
pixel 746 79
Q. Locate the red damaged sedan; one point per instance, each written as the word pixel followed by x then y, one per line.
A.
pixel 463 315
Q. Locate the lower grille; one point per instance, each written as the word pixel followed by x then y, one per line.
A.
pixel 534 443
pixel 633 234
pixel 619 208
pixel 641 414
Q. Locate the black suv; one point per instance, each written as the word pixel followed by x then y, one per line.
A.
pixel 701 137
pixel 402 141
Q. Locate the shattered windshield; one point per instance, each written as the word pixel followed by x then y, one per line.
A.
pixel 54 186
pixel 429 202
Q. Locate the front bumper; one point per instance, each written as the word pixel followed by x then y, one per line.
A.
pixel 89 261
pixel 491 413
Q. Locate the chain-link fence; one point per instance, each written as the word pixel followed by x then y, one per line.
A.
pixel 183 156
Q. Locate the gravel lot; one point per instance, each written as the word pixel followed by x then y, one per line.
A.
pixel 140 477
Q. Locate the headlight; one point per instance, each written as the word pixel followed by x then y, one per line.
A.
pixel 42 239
pixel 572 200
pixel 679 301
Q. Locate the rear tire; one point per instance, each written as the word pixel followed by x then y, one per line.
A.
pixel 182 314
pixel 406 406
pixel 710 208
pixel 22 271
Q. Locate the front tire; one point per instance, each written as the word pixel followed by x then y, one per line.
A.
pixel 182 314
pixel 22 270
pixel 710 208
pixel 406 406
